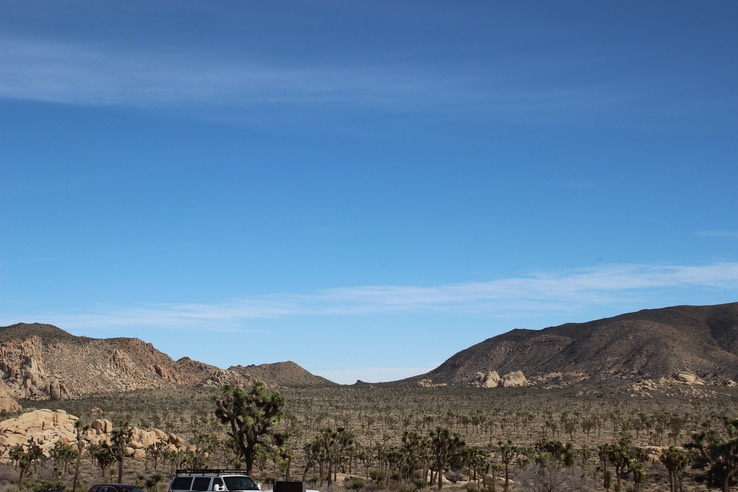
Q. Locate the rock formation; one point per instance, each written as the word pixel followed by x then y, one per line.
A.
pixel 47 427
pixel 514 379
pixel 40 362
pixel 486 380
pixel 7 403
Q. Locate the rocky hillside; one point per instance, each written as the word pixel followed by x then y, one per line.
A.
pixel 40 361
pixel 281 371
pixel 696 344
pixel 692 344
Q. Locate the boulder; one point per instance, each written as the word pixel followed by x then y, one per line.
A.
pixel 687 378
pixel 514 379
pixel 103 426
pixel 55 391
pixel 489 380
pixel 7 403
pixel 455 476
pixel 177 441
pixel 147 438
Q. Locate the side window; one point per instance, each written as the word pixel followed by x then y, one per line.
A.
pixel 201 483
pixel 217 481
pixel 181 483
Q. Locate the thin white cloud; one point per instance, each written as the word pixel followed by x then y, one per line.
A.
pixel 718 233
pixel 539 292
pixel 69 73
pixel 28 261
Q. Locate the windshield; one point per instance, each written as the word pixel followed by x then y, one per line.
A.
pixel 240 483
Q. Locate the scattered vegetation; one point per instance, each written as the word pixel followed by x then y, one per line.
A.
pixel 386 437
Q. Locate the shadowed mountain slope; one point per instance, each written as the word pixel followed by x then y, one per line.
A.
pixel 701 341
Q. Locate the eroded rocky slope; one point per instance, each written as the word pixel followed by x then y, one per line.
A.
pixel 40 361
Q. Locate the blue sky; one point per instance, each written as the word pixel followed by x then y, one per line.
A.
pixel 364 188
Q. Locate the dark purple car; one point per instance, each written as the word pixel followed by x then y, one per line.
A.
pixel 114 487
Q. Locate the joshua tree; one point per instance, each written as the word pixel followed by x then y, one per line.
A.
pixel 446 447
pixel 557 452
pixel 62 455
pixel 156 451
pixel 415 452
pixel 204 445
pixel 477 459
pixel 330 448
pixel 508 452
pixel 120 439
pixel 718 451
pixel 25 455
pixel 80 429
pixel 252 416
pixel 283 453
pixel 313 456
pixel 617 455
pixel 676 461
pixel 103 456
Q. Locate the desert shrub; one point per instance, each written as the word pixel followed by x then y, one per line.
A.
pixel 151 481
pixel 372 487
pixel 269 480
pixel 354 483
pixel 8 474
pixel 402 487
pixel 419 483
pixel 54 484
pixel 377 476
pixel 472 487
pixel 313 480
pixel 552 478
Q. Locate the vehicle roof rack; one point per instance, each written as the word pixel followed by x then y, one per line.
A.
pixel 203 471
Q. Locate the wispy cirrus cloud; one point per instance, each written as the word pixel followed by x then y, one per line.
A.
pixel 567 291
pixel 68 73
pixel 719 233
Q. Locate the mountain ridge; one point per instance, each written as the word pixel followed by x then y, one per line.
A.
pixel 649 344
pixel 41 361
pixel 698 344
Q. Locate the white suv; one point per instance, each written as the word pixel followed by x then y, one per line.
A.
pixel 211 480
